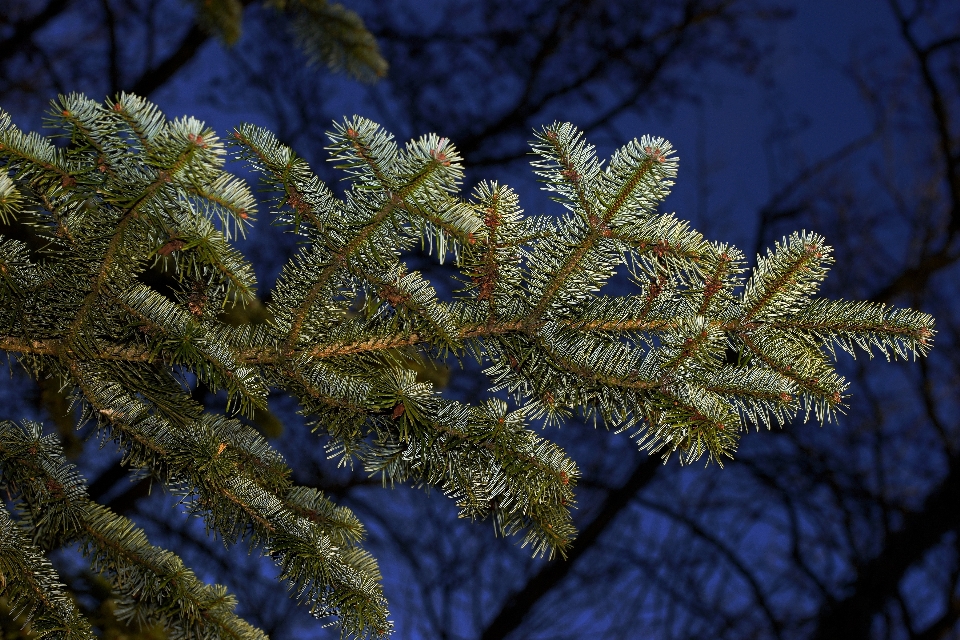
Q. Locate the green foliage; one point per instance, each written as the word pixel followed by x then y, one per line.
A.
pixel 32 588
pixel 698 352
pixel 328 33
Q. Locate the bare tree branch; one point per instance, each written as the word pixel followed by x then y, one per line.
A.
pixel 23 31
pixel 878 579
pixel 518 605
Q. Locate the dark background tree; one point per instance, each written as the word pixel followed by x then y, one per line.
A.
pixel 841 120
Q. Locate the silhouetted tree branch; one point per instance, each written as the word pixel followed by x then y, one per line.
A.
pixel 519 604
pixel 23 31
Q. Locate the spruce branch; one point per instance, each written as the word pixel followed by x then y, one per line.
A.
pixel 33 589
pixel 231 477
pixel 333 35
pixel 328 33
pixel 152 584
pixel 701 349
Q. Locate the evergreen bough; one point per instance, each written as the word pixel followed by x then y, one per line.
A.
pixel 684 364
pixel 328 34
